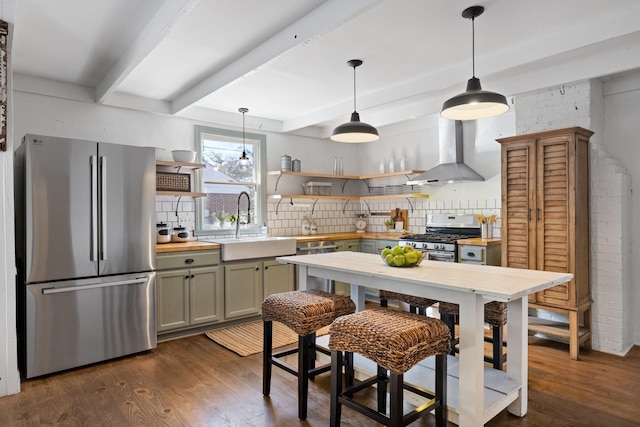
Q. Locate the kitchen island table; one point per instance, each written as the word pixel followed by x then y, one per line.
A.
pixel 476 393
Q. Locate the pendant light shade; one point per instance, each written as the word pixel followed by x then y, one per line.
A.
pixel 355 131
pixel 474 103
pixel 243 159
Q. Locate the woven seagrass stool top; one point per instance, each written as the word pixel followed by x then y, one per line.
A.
pixel 305 311
pixel 495 312
pixel 395 340
pixel 419 302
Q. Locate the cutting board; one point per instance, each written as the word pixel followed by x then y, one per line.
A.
pixel 402 215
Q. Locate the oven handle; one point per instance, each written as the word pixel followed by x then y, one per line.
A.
pixel 441 256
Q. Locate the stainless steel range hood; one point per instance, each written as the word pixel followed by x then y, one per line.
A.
pixel 451 168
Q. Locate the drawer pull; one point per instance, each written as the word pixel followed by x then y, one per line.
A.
pixel 471 254
pixel 188 261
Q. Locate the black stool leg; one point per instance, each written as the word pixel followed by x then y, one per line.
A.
pixel 348 369
pixel 450 320
pixel 441 390
pixel 382 390
pixel 336 387
pixel 497 347
pixel 304 364
pixel 267 340
pixel 397 399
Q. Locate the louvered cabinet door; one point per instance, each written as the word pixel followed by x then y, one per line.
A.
pixel 518 204
pixel 555 232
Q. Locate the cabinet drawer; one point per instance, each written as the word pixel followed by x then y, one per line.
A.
pixel 471 253
pixel 187 259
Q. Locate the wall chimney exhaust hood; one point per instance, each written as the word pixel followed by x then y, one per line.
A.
pixel 451 168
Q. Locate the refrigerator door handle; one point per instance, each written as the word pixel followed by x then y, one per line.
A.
pixel 47 291
pixel 94 209
pixel 103 211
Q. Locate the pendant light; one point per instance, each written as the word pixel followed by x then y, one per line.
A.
pixel 355 131
pixel 474 103
pixel 244 159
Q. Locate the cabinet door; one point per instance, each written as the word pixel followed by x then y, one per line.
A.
pixel 172 299
pixel 554 233
pixel 205 295
pixel 349 245
pixel 242 289
pixel 369 246
pixel 518 204
pixel 278 277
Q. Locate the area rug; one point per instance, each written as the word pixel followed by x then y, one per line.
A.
pixel 246 339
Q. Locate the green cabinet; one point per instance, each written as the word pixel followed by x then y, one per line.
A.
pixel 278 277
pixel 368 246
pixel 247 283
pixel 188 296
pixel 242 289
pixel 352 245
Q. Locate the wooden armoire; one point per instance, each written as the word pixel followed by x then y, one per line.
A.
pixel 545 224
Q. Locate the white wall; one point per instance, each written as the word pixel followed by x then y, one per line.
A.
pixel 622 106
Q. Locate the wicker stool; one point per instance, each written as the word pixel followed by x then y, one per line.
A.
pixel 304 312
pixel 417 305
pixel 495 314
pixel 396 341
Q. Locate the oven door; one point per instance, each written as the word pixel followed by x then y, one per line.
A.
pixel 445 256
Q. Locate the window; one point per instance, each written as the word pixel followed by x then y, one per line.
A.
pixel 224 179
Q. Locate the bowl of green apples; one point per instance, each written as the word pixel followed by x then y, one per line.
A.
pixel 402 256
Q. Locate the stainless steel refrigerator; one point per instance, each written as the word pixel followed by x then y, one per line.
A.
pixel 85 243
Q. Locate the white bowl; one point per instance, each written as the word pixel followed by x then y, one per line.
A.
pixel 184 156
pixel 161 153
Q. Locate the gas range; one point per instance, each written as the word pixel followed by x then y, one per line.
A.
pixel 442 232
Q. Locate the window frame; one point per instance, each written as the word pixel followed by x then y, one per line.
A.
pixel 259 144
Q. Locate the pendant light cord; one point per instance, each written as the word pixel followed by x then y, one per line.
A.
pixel 354 89
pixel 473 46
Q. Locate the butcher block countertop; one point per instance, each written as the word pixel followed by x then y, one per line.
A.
pixel 477 241
pixel 197 245
pixel 346 236
pixel 194 245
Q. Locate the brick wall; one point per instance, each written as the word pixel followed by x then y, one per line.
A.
pixel 581 104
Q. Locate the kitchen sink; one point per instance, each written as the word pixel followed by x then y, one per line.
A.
pixel 256 247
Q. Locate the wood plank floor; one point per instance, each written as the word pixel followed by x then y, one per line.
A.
pixel 195 382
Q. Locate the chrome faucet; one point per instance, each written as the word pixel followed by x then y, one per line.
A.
pixel 238 213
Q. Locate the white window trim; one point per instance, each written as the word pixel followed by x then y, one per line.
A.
pixel 260 164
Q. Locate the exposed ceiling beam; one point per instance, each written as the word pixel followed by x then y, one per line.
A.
pixel 165 19
pixel 326 17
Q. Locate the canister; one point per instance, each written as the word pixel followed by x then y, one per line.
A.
pixel 285 163
pixel 296 165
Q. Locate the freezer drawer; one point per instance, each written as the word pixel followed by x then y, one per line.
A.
pixel 75 323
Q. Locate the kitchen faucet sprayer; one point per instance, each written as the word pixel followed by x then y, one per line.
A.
pixel 238 213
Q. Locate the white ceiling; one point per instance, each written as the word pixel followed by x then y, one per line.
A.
pixel 285 60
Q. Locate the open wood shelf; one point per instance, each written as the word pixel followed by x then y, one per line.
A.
pixel 332 176
pixel 180 193
pixel 180 164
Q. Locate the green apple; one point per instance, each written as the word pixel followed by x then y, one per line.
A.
pixel 397 250
pixel 411 257
pixel 398 260
pixel 408 248
pixel 385 252
pixel 389 259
